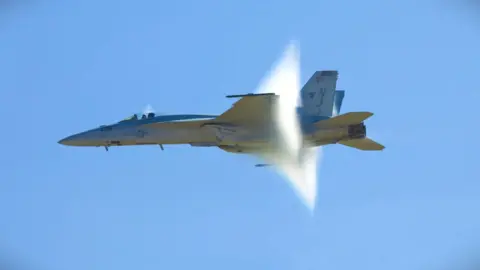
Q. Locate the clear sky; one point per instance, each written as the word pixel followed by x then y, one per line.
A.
pixel 66 66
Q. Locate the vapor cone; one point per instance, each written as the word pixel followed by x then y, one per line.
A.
pixel 292 159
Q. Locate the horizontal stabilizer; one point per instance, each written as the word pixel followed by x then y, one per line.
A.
pixel 364 144
pixel 350 118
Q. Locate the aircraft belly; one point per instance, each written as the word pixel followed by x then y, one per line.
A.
pixel 157 136
pixel 177 136
pixel 233 135
pixel 262 143
pixel 246 141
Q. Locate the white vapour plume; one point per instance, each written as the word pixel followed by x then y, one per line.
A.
pixel 148 109
pixel 335 110
pixel 294 160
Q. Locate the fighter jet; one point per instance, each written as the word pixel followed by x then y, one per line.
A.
pixel 247 127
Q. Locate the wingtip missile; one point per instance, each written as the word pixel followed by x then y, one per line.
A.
pixel 263 165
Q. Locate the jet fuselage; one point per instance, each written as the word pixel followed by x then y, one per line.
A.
pixel 196 130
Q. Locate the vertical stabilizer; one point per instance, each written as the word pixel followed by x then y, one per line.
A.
pixel 318 94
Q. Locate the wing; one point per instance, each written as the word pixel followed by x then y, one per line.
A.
pixel 250 110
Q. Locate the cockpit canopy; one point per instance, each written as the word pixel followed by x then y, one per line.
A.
pixel 138 116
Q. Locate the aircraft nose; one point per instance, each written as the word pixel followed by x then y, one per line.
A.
pixel 86 138
pixel 67 140
pixel 80 139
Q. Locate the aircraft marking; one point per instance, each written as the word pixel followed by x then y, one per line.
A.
pixel 141 133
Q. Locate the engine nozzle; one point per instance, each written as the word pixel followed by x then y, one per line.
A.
pixel 357 131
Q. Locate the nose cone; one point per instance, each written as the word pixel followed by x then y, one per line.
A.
pixel 70 140
pixel 67 140
pixel 88 138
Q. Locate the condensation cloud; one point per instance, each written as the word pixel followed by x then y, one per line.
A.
pixel 292 159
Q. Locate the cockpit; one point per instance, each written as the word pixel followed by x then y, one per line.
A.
pixel 139 116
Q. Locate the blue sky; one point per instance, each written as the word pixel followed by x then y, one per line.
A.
pixel 71 65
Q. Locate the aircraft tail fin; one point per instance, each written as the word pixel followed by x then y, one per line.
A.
pixel 365 144
pixel 346 119
pixel 319 92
